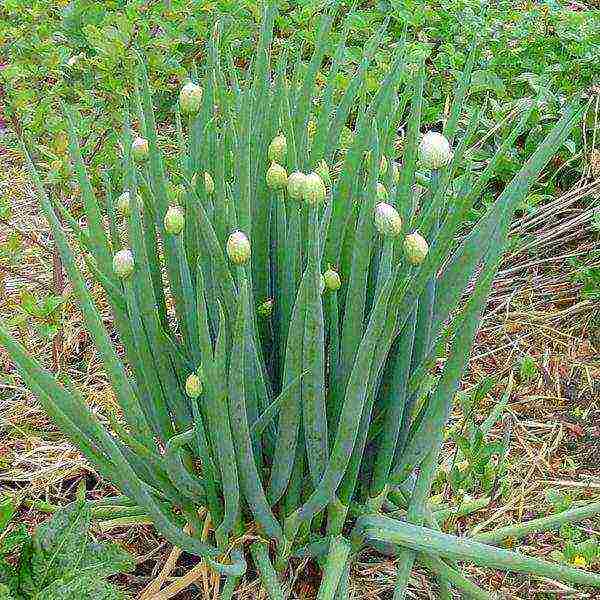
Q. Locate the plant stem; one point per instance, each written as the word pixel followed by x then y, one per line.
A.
pixel 260 554
pixel 339 550
pixel 415 514
pixel 422 539
pixel 536 525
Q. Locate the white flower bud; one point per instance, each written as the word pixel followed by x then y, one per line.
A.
pixel 276 176
pixel 415 248
pixel 193 386
pixel 174 220
pixel 382 194
pixel 122 205
pixel 314 191
pixel 332 280
pixel 295 184
pixel 139 149
pixel 434 150
pixel 277 149
pixel 123 263
pixel 209 184
pixel 238 248
pixel 190 98
pixel 387 220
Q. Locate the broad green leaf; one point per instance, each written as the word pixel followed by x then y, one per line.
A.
pixel 7 511
pixel 59 545
pixel 87 587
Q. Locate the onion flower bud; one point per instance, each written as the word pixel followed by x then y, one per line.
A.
pixel 139 149
pixel 314 191
pixel 174 220
pixel 193 386
pixel 238 248
pixel 209 184
pixel 123 204
pixel 190 98
pixel 415 248
pixel 332 280
pixel 295 184
pixel 123 263
pixel 276 176
pixel 434 150
pixel 265 310
pixel 277 149
pixel 387 220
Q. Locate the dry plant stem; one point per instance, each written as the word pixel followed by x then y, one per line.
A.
pixel 30 278
pixel 216 583
pixel 28 236
pixel 157 583
pixel 179 584
pixel 124 522
pixel 58 284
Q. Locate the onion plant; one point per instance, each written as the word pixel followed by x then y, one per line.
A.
pixel 280 288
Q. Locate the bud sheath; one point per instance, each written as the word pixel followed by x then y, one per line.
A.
pixel 238 248
pixel 123 263
pixel 387 220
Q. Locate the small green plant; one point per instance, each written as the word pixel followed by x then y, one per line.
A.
pixel 528 369
pixel 558 500
pixel 478 464
pixel 589 278
pixel 578 548
pixel 59 561
pixel 44 313
pixel 288 419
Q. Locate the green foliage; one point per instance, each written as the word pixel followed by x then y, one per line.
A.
pixel 82 52
pixel 43 312
pixel 559 500
pixel 589 278
pixel 330 402
pixel 578 549
pixel 58 561
pixel 528 369
pixel 479 464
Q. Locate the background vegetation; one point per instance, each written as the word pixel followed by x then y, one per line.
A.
pixel 82 52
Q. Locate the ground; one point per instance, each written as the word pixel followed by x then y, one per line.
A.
pixel 538 332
